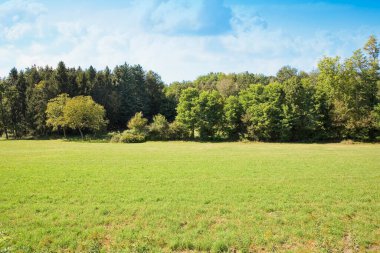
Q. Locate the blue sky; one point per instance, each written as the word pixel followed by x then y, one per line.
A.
pixel 182 39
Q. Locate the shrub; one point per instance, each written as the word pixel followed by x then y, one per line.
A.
pixel 159 129
pixel 132 137
pixel 137 124
pixel 114 136
pixel 128 136
pixel 177 131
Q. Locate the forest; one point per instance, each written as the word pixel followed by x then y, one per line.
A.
pixel 336 101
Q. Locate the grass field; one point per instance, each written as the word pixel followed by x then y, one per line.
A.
pixel 175 196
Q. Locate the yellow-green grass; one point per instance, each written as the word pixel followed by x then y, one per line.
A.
pixel 178 196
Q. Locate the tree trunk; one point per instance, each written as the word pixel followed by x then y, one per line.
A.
pixel 3 117
pixel 6 133
pixel 64 132
pixel 81 134
pixel 192 133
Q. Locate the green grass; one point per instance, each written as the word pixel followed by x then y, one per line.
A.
pixel 176 196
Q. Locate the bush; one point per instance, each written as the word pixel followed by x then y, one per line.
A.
pixel 127 136
pixel 132 137
pixel 177 131
pixel 114 136
pixel 138 123
pixel 159 129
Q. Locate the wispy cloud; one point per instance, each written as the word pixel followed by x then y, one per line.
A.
pixel 180 39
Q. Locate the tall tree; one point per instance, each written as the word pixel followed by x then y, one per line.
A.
pixel 299 119
pixel 54 113
pixel 170 101
pixel 62 79
pixel 15 92
pixel 286 73
pixel 233 113
pixel 4 110
pixel 263 114
pixel 154 93
pixel 209 114
pixel 187 111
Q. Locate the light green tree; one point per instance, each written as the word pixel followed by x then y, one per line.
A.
pixel 138 124
pixel 82 112
pixel 54 113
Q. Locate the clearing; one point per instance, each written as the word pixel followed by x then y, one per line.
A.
pixel 187 196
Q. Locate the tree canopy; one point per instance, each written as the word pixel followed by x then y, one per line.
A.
pixel 339 100
pixel 55 117
pixel 82 112
pixel 77 113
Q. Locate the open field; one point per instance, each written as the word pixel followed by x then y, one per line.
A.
pixel 175 196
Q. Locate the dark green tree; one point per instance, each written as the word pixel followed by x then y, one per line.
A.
pixel 209 114
pixel 233 112
pixel 187 109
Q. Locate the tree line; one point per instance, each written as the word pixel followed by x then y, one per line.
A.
pixel 339 100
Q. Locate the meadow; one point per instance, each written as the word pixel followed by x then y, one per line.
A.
pixel 58 196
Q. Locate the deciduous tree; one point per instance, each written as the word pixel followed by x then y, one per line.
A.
pixel 82 112
pixel 54 113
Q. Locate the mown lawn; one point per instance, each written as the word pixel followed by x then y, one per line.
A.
pixel 178 196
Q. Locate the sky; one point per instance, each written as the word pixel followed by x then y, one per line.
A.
pixel 182 39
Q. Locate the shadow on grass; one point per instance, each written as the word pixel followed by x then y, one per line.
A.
pixel 107 139
pixel 87 139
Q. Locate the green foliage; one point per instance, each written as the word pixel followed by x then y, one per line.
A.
pixel 186 109
pixel 372 47
pixel 178 131
pixel 171 100
pixel 138 123
pixel 114 137
pixel 54 112
pixel 233 112
pixel 300 118
pixel 263 115
pixel 129 136
pixel 209 114
pixel 82 112
pixel 334 102
pixel 38 97
pixel 286 73
pixel 200 111
pixel 159 128
pixel 4 110
pixel 376 121
pixel 351 87
pixel 376 114
pixel 229 84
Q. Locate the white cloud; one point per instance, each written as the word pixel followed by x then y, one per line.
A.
pixel 16 31
pixel 18 18
pixel 245 19
pixel 189 17
pixel 173 15
pixel 14 8
pixel 113 36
